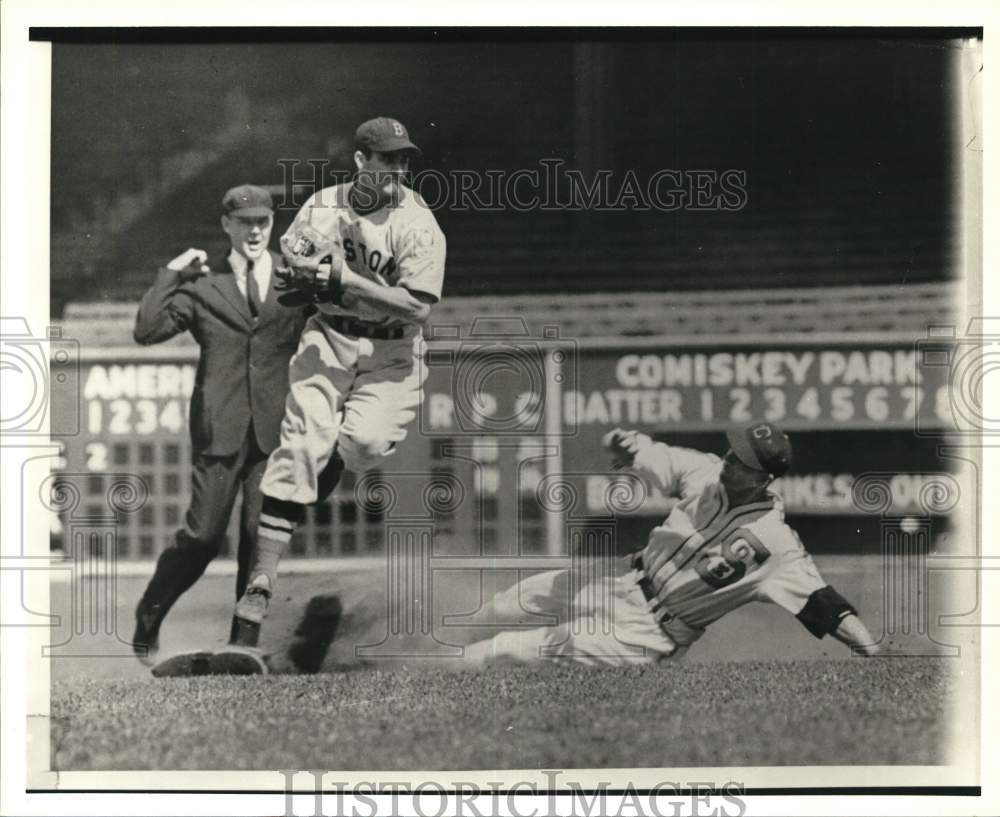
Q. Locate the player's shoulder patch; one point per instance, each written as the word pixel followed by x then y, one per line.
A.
pixel 423 240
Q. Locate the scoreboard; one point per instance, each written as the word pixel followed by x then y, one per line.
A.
pixel 852 407
pixel 515 421
pixel 822 387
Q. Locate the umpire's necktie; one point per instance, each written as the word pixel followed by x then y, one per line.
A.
pixel 253 292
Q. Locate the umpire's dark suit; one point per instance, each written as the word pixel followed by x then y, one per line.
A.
pixel 235 414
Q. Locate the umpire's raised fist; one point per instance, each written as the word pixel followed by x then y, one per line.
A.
pixel 190 262
pixel 623 446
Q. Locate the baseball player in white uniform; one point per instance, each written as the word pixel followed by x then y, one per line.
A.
pixel 356 378
pixel 724 544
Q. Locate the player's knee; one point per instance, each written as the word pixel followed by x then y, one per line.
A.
pixel 291 476
pixel 301 433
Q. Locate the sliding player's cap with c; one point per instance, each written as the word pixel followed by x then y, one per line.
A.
pixel 763 447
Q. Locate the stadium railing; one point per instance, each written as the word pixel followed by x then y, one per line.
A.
pixel 909 308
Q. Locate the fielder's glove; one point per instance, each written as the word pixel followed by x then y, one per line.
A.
pixel 303 285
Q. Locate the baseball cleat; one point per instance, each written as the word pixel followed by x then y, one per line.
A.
pixel 254 603
pixel 185 665
pixel 146 638
pixel 250 612
pixel 235 660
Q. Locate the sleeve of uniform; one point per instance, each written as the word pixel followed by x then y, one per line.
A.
pixel 670 468
pixel 420 262
pixel 798 587
pixel 791 585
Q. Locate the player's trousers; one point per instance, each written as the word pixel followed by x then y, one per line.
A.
pixel 215 483
pixel 603 622
pixel 355 395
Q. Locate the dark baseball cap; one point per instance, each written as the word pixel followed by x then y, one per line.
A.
pixel 384 134
pixel 247 200
pixel 763 447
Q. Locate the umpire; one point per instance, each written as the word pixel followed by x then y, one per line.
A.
pixel 230 307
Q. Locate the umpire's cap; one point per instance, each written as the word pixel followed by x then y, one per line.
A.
pixel 763 447
pixel 247 200
pixel 384 134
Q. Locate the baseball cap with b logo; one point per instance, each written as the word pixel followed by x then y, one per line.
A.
pixel 384 134
pixel 762 446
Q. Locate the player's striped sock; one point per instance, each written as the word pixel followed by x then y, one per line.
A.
pixel 278 519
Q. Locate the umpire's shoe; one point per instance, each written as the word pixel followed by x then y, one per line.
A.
pixel 146 638
pixel 250 612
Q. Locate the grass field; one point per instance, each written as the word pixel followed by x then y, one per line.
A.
pixel 756 690
pixel 734 713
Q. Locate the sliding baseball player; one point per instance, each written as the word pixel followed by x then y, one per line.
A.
pixel 724 544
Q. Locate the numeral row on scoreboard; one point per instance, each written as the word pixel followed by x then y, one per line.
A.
pixel 102 456
pixel 142 417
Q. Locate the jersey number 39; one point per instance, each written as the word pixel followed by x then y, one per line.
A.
pixel 728 563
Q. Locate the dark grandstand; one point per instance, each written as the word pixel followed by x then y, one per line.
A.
pixel 840 140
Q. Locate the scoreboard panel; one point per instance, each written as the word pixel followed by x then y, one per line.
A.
pixel 512 420
pixel 848 386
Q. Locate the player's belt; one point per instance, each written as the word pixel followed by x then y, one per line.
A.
pixel 360 329
pixel 662 614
